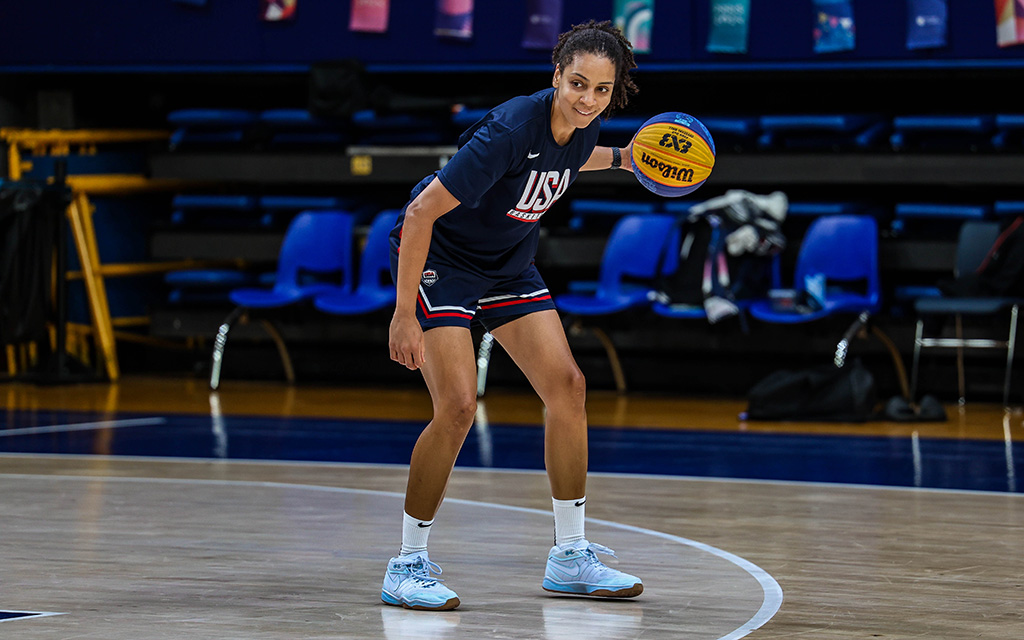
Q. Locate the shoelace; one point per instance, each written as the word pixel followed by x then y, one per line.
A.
pixel 589 554
pixel 421 569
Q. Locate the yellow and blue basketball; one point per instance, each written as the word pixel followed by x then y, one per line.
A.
pixel 673 154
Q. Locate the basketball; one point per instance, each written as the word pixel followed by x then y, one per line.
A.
pixel 673 154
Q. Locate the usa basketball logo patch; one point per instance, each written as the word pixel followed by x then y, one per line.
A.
pixel 429 277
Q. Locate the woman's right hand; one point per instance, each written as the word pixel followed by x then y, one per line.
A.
pixel 405 340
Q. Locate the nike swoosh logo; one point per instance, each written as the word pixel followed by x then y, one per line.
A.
pixel 531 156
pixel 563 574
pixel 581 503
pixel 423 526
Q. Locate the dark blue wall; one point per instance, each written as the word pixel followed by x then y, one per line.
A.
pixel 48 34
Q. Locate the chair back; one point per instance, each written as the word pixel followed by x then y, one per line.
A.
pixel 634 250
pixel 317 242
pixel 375 260
pixel 973 244
pixel 843 248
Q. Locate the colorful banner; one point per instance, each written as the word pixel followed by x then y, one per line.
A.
pixel 278 10
pixel 1009 22
pixel 370 16
pixel 926 24
pixel 454 19
pixel 543 24
pixel 833 26
pixel 730 26
pixel 636 19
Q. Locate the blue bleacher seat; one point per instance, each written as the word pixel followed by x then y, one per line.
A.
pixel 1008 208
pixel 814 132
pixel 299 127
pixel 942 132
pixel 210 126
pixel 1009 131
pixel 941 211
pixel 584 212
pixel 735 132
pixel 372 128
pixel 214 210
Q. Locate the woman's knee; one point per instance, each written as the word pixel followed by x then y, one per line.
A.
pixel 456 412
pixel 569 392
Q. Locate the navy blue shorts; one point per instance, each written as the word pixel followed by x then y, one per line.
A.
pixel 452 297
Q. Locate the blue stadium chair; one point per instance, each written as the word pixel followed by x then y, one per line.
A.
pixel 975 240
pixel 215 210
pixel 821 132
pixel 628 273
pixel 315 259
pixel 936 220
pixel 942 132
pixel 1009 131
pixel 1008 209
pixel 584 211
pixel 465 118
pixel 843 249
pixel 299 127
pixel 735 132
pixel 210 126
pixel 818 209
pixel 372 128
pixel 375 290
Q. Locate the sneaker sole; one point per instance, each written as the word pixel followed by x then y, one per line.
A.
pixel 628 592
pixel 447 606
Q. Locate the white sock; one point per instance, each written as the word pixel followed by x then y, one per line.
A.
pixel 414 534
pixel 569 518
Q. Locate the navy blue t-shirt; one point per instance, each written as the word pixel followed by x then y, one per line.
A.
pixel 507 173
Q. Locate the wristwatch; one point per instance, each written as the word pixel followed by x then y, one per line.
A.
pixel 616 158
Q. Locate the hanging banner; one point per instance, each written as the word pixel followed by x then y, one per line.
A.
pixel 926 24
pixel 454 19
pixel 1009 22
pixel 635 18
pixel 543 24
pixel 833 26
pixel 730 22
pixel 370 16
pixel 278 10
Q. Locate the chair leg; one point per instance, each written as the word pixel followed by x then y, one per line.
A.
pixel 918 334
pixel 219 344
pixel 282 350
pixel 960 377
pixel 1010 345
pixel 483 361
pixel 613 359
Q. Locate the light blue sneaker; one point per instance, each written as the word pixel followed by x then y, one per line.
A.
pixel 408 584
pixel 578 571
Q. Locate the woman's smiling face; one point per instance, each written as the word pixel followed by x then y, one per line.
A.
pixel 583 90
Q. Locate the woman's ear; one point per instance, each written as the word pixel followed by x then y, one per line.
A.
pixel 556 76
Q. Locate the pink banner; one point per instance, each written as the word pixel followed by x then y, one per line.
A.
pixel 369 15
pixel 1009 22
pixel 454 19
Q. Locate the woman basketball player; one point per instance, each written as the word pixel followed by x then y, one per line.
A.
pixel 463 249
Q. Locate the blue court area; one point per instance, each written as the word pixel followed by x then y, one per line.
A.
pixel 982 465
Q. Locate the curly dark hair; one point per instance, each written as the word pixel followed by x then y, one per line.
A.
pixel 602 39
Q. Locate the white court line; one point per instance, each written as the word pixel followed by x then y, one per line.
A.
pixel 769 586
pixel 84 426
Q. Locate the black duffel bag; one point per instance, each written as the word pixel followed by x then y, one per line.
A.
pixel 822 394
